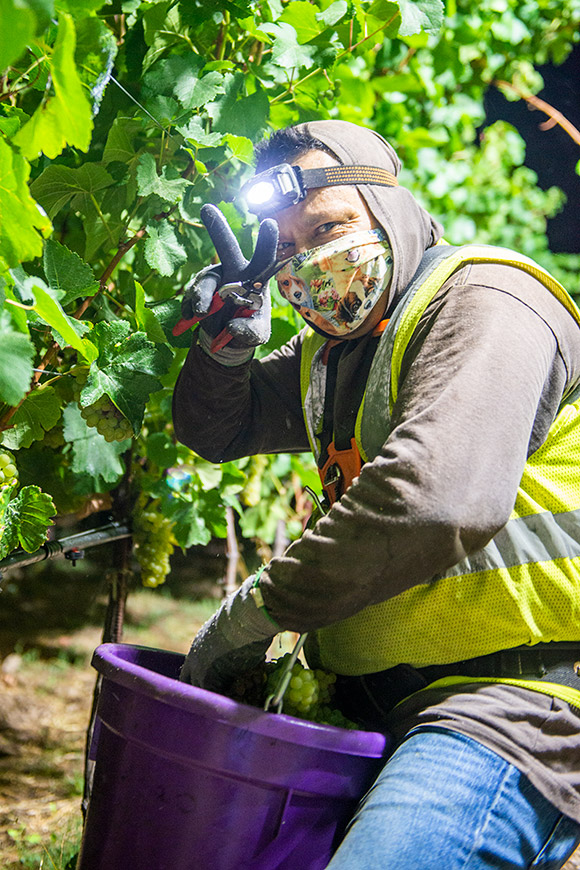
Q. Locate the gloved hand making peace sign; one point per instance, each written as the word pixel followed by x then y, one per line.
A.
pixel 231 298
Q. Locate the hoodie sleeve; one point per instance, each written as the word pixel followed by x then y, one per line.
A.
pixel 481 383
pixel 225 413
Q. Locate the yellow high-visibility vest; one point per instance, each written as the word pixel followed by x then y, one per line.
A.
pixel 523 587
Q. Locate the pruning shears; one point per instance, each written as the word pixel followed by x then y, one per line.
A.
pixel 235 280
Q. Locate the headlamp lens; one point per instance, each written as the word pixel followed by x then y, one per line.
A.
pixel 260 193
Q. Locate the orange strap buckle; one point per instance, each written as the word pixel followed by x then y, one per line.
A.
pixel 339 470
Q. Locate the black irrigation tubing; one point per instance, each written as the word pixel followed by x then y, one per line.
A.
pixel 68 548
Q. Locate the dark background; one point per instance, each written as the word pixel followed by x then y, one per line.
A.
pixel 552 154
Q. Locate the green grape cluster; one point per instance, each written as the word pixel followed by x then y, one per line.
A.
pixel 309 694
pixel 250 687
pixel 8 470
pixel 153 540
pixel 252 490
pixel 107 420
pixel 80 375
pixel 307 691
pixel 102 415
pixel 54 438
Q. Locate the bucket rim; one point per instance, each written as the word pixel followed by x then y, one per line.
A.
pixel 118 662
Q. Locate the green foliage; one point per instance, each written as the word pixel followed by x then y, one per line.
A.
pixel 24 519
pixel 21 237
pixel 117 122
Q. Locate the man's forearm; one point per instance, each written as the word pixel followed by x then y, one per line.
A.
pixel 226 412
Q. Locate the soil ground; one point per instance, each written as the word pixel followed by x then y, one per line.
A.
pixel 49 627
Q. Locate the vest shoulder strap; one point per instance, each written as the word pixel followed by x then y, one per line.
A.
pixel 437 265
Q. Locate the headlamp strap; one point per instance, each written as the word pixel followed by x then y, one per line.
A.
pixel 328 176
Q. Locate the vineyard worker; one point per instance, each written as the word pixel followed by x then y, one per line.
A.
pixel 447 572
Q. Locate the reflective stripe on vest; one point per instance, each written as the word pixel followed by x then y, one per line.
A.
pixel 524 586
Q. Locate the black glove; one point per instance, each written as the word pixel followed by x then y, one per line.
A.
pixel 232 298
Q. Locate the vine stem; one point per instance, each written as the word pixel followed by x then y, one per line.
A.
pixel 13 90
pixel 554 116
pixel 339 56
pixel 220 49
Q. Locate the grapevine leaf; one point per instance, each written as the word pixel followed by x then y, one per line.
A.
pixel 65 118
pixel 167 314
pixel 211 508
pixel 127 370
pixel 10 125
pixel 67 272
pixel 238 115
pixel 120 140
pixel 82 8
pixel 26 520
pixel 233 480
pixel 162 30
pixel 195 11
pixel 333 13
pixel 261 521
pixel 44 11
pixel 241 147
pixel 209 474
pixel 193 93
pixel 161 450
pixel 20 235
pixel 50 310
pixel 18 315
pixel 418 15
pixel 301 15
pixel 16 355
pixel 6 493
pixel 24 285
pixel 110 231
pixel 163 109
pixel 95 54
pixel 145 318
pixel 190 528
pixel 18 26
pixel 386 11
pixel 253 27
pixel 171 189
pixel 286 49
pixel 91 454
pixel 39 412
pixel 172 74
pixel 163 251
pixel 195 134
pixel 58 185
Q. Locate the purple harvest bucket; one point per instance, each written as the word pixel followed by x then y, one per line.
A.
pixel 186 779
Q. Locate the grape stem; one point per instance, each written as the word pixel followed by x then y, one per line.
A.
pixel 276 699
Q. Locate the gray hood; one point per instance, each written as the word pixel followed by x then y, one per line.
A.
pixel 410 229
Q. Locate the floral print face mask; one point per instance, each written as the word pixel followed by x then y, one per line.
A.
pixel 336 286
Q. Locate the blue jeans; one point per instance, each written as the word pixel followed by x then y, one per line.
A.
pixel 445 802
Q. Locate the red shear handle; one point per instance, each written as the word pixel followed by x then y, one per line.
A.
pixel 183 325
pixel 223 337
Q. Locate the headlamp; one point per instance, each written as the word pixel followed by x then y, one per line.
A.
pixel 284 185
pixel 276 188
